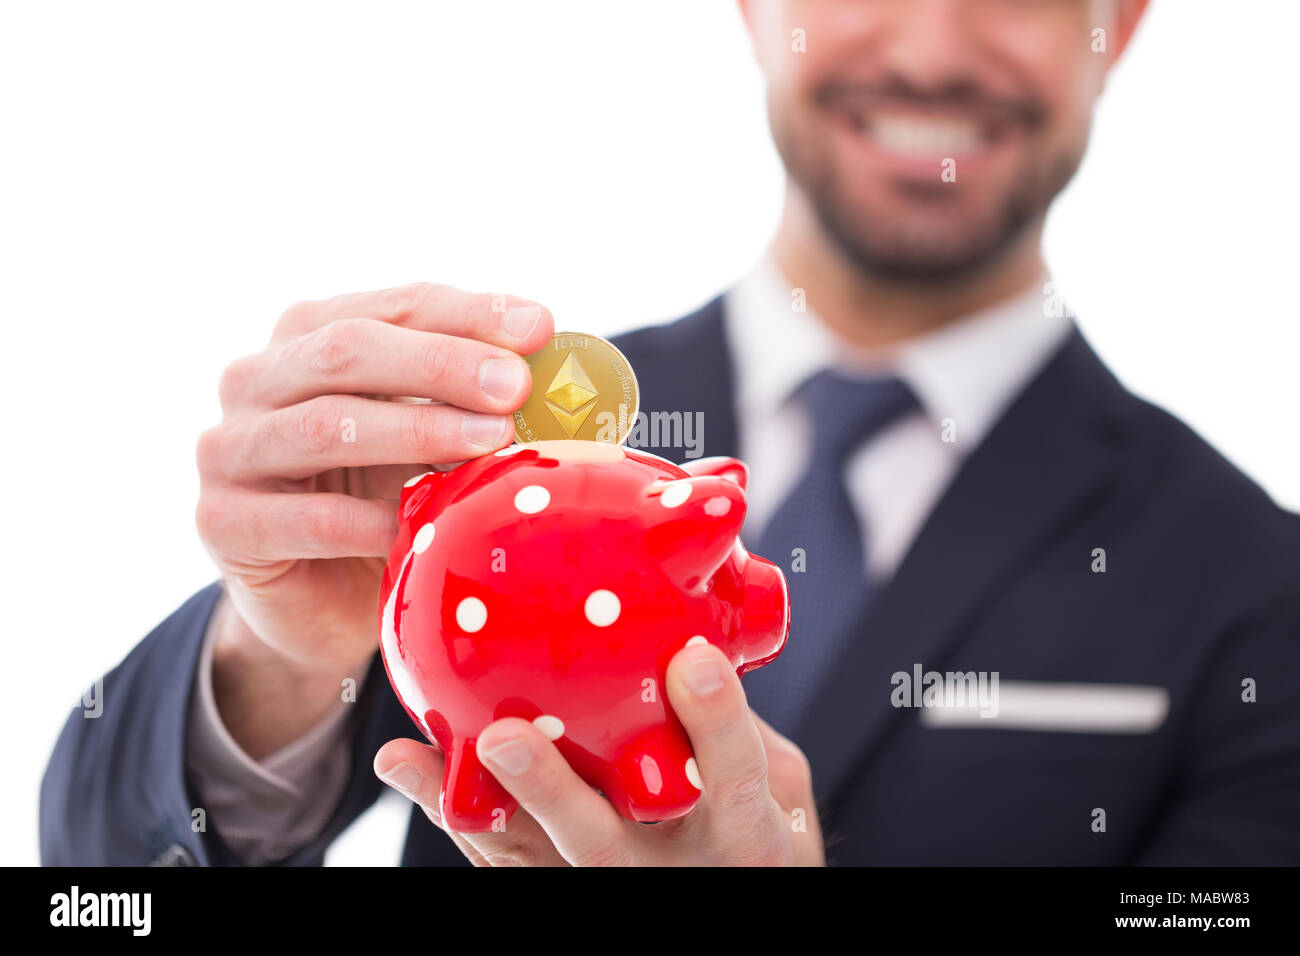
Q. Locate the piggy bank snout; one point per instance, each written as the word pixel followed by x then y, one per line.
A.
pixel 766 611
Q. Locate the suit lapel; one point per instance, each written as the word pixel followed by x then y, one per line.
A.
pixel 685 368
pixel 1048 457
pixel 1041 466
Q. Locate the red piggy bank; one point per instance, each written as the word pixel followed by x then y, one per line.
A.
pixel 553 581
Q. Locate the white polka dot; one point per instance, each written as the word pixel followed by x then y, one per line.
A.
pixel 411 482
pixel 697 639
pixel 693 774
pixel 552 728
pixel 602 608
pixel 532 499
pixel 717 507
pixel 423 538
pixel 508 450
pixel 675 494
pixel 471 614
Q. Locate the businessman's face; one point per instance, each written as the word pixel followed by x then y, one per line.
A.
pixel 929 134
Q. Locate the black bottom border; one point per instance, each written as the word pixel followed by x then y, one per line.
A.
pixel 334 905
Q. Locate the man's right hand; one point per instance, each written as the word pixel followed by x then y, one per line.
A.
pixel 300 481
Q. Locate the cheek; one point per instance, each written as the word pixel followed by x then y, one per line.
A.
pixel 1074 110
pixel 1067 77
pixel 801 45
pixel 1065 86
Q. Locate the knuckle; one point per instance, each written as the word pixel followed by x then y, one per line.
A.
pixel 315 425
pixel 209 450
pixel 484 310
pixel 747 788
pixel 407 300
pixel 790 766
pixel 325 520
pixel 233 384
pixel 424 429
pixel 438 364
pixel 546 791
pixel 211 518
pixel 334 349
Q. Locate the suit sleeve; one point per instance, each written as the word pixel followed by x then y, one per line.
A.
pixel 116 791
pixel 265 810
pixel 1237 802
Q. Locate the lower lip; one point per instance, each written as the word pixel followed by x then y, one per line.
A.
pixel 923 166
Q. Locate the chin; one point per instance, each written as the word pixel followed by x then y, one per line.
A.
pixel 929 245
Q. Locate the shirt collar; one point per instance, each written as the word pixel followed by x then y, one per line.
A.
pixel 968 370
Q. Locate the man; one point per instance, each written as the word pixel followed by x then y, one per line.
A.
pixel 1036 620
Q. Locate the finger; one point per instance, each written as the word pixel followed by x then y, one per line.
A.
pixel 788 773
pixel 790 778
pixel 243 527
pixel 585 829
pixel 509 321
pixel 341 431
pixel 376 481
pixel 416 771
pixel 706 695
pixel 365 356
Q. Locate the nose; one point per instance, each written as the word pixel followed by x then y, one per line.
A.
pixel 766 620
pixel 930 42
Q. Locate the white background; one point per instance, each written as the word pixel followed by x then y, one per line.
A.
pixel 173 174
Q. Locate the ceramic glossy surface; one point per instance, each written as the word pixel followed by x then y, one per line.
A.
pixel 554 581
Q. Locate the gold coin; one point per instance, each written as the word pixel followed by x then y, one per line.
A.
pixel 583 388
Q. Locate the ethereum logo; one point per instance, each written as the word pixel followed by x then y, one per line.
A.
pixel 571 396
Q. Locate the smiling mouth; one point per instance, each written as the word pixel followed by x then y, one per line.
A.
pixel 914 135
pixel 916 126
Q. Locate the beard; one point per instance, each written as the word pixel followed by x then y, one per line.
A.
pixel 937 241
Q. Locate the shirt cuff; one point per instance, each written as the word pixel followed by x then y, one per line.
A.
pixel 265 810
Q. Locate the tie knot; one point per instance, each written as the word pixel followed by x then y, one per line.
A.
pixel 845 411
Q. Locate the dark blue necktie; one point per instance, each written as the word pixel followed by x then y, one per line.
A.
pixel 829 586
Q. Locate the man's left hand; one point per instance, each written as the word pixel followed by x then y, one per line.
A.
pixel 756 808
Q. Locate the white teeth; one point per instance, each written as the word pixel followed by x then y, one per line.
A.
pixel 914 137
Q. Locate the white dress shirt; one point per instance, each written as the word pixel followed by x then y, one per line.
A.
pixel 964 376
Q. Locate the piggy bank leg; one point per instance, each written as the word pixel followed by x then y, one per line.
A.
pixel 472 799
pixel 656 775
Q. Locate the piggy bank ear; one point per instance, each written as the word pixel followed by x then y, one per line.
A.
pixel 692 524
pixel 419 485
pixel 733 469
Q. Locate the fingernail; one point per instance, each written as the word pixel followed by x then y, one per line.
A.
pixel 703 677
pixel 403 777
pixel 486 430
pixel 501 377
pixel 520 320
pixel 512 756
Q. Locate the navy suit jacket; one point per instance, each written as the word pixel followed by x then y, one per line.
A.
pixel 1201 592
